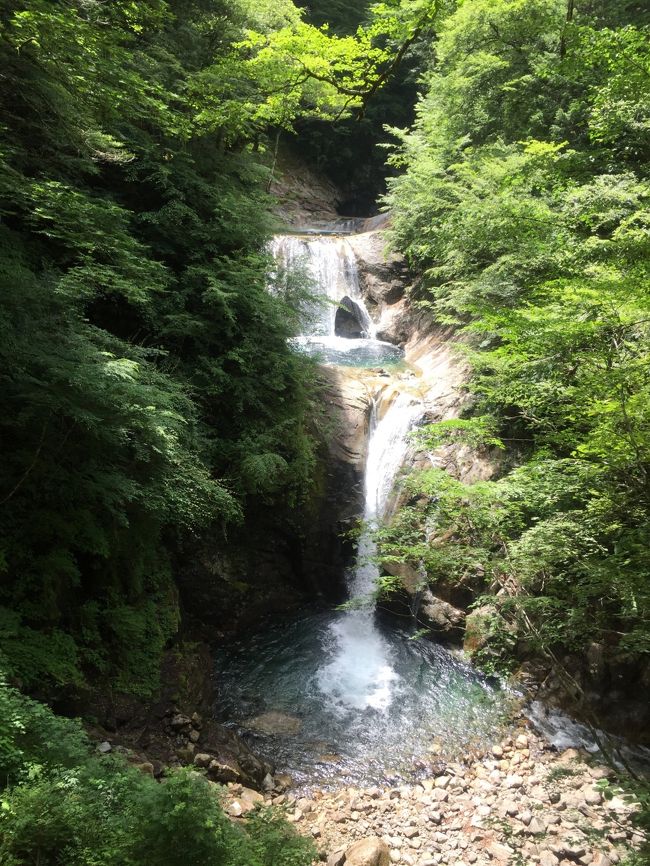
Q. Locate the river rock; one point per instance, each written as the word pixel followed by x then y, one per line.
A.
pixel 251 796
pixel 275 722
pixel 202 759
pixel 601 859
pixel 372 851
pixel 224 772
pixel 592 797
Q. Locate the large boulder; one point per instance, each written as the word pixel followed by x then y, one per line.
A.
pixel 368 852
pixel 443 619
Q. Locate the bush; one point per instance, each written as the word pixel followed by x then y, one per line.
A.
pixel 61 804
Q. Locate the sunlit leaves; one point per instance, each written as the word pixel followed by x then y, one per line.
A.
pixel 524 204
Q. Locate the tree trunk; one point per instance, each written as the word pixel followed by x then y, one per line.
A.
pixel 570 9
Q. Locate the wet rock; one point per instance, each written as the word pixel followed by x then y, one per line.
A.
pixel 445 620
pixel 276 723
pixel 283 782
pixel 179 721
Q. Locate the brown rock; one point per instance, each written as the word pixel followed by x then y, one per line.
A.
pixel 275 722
pixel 499 852
pixel 224 773
pixel 251 796
pixel 368 852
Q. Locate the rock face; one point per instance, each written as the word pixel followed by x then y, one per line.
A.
pixel 444 620
pixel 384 279
pixel 305 198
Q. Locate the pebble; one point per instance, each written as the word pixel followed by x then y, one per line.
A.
pixel 482 813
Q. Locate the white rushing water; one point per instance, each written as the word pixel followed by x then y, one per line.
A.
pixel 332 266
pixel 363 698
pixel 359 672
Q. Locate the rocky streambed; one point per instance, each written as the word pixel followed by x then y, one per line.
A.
pixel 522 802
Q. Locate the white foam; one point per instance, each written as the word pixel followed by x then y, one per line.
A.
pixel 360 672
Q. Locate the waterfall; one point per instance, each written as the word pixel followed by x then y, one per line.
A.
pixel 363 700
pixel 360 673
pixel 332 265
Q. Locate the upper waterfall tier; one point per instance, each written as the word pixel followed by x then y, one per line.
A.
pixel 332 268
pixel 337 325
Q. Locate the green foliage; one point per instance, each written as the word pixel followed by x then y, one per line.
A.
pixel 148 390
pixel 477 432
pixel 524 204
pixel 61 804
pixel 33 739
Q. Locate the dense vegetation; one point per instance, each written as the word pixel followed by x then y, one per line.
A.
pixel 148 392
pixel 524 204
pixel 66 806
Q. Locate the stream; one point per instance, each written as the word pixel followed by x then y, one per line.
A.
pixel 341 696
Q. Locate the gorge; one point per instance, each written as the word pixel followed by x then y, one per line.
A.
pixel 324 388
pixel 368 696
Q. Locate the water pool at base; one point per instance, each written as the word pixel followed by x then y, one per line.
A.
pixel 368 715
pixel 347 352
